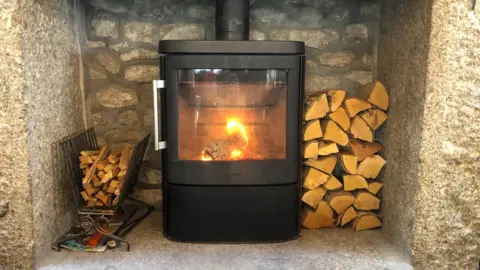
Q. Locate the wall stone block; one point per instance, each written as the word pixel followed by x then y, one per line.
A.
pixel 316 83
pixel 142 73
pixel 318 39
pixel 360 77
pixel 139 54
pixel 356 33
pixel 336 59
pixel 129 118
pixel 182 31
pixel 116 96
pixel 104 25
pixel 108 61
pixel 139 31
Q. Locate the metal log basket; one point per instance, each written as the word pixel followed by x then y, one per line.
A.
pixel 96 218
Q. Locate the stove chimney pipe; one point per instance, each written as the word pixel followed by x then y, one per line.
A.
pixel 232 20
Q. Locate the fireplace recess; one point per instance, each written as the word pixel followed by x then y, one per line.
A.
pixel 230 125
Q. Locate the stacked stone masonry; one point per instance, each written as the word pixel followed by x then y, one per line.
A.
pixel 121 58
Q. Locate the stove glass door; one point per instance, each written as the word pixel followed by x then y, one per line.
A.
pixel 232 114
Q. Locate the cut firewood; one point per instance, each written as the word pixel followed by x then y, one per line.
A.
pixel 335 99
pixel 311 149
pixel 312 178
pixel 360 130
pixel 85 159
pixel 125 157
pixel 324 209
pixel 117 191
pixel 106 199
pixel 374 187
pixel 366 220
pixel 340 200
pixel 84 171
pixel 332 183
pixel 324 164
pixel 341 118
pixel 103 153
pixel 375 93
pixel 370 167
pixel 355 105
pixel 114 155
pixel 115 171
pixel 102 164
pixel 91 202
pixel 366 201
pixel 314 196
pixel 347 216
pixel 326 148
pixel 374 118
pixel 364 149
pixel 110 167
pixel 89 152
pixel 99 203
pixel 114 160
pixel 90 190
pixel 97 182
pixel 94 157
pixel 83 166
pixel 312 131
pixel 115 201
pixel 101 174
pixel 316 107
pixel 113 185
pixel 121 175
pixel 352 182
pixel 312 220
pixel 348 162
pixel 107 177
pixel 85 196
pixel 105 186
pixel 333 133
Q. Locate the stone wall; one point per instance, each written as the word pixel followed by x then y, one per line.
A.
pixel 121 60
pixel 432 195
pixel 40 104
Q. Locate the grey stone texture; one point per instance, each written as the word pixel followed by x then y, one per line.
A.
pixel 108 61
pixel 116 96
pixel 139 54
pixel 104 25
pixel 142 73
pixel 41 104
pixel 336 59
pixel 431 199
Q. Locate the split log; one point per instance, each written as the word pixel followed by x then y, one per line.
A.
pixel 85 196
pixel 85 160
pixel 314 196
pixel 90 190
pixel 374 118
pixel 374 187
pixel 91 202
pixel 333 133
pixel 347 216
pixel 125 157
pixel 312 178
pixel 316 107
pixel 360 130
pixel 325 148
pixel 102 164
pixel 340 200
pixel 312 131
pixel 115 201
pixel 324 209
pixel 99 203
pixel 105 186
pixel 112 186
pixel 349 162
pixel 366 220
pixel 324 164
pixel 102 154
pixel 366 201
pixel 312 220
pixel 335 98
pixel 107 177
pixel 89 152
pixel 84 166
pixel 375 93
pixel 106 199
pixel 370 167
pixel 97 182
pixel 121 175
pixel 355 105
pixel 364 149
pixel 332 183
pixel 310 150
pixel 341 118
pixel 352 182
pixel 101 174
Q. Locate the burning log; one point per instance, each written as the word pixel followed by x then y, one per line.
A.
pixel 106 173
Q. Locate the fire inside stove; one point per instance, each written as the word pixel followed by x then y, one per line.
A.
pixel 232 115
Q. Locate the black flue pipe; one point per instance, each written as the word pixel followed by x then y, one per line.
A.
pixel 232 19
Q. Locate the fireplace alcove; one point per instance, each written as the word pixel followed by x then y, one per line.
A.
pixel 430 194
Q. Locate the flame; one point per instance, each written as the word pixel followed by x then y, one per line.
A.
pixel 235 127
pixel 206 157
pixel 236 154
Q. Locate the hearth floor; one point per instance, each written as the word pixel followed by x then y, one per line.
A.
pixel 315 249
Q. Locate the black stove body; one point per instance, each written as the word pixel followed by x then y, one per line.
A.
pixel 229 119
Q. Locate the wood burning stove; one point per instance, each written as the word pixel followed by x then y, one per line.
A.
pixel 230 125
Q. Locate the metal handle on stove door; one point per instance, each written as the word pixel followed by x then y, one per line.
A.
pixel 157 84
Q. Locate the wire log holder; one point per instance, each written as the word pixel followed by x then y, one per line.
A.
pixel 97 218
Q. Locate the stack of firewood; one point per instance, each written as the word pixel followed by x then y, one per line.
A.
pixel 341 158
pixel 104 173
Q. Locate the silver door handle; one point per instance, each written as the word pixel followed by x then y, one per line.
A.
pixel 157 84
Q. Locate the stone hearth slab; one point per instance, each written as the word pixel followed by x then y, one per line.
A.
pixel 315 249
